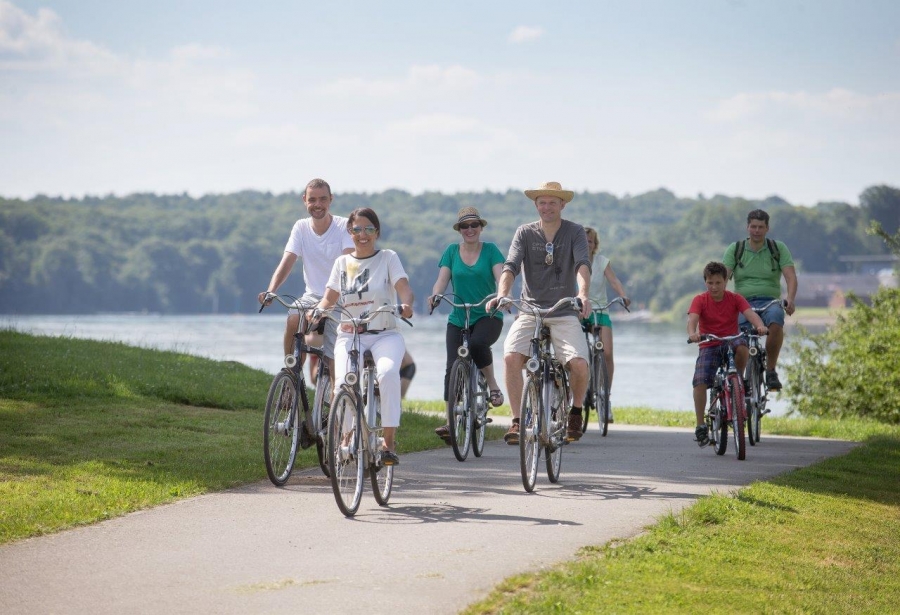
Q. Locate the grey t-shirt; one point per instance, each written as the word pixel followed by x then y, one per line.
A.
pixel 544 284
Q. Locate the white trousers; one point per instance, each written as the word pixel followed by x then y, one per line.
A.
pixel 387 349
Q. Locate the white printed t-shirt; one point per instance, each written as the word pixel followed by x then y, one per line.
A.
pixel 318 252
pixel 368 283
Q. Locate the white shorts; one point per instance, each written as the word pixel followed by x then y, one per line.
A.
pixel 566 335
pixel 330 333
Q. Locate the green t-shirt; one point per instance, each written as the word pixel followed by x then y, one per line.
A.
pixel 473 283
pixel 756 278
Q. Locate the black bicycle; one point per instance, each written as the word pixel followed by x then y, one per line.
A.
pixel 597 397
pixel 467 395
pixel 289 421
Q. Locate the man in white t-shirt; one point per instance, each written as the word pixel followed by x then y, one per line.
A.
pixel 317 240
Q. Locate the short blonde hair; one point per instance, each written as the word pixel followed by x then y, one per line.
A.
pixel 592 234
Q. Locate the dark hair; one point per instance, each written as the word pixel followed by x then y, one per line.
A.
pixel 714 268
pixel 365 212
pixel 758 214
pixel 317 183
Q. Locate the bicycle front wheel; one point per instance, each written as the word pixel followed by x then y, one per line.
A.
pixel 321 409
pixel 459 409
pixel 480 420
pixel 751 401
pixel 345 459
pixel 529 429
pixel 281 428
pixel 738 415
pixel 602 393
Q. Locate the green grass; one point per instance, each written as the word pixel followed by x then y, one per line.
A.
pixel 91 430
pixel 823 539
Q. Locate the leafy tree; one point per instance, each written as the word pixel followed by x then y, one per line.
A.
pixel 882 205
pixel 851 369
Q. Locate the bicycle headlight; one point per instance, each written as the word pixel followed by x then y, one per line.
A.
pixel 532 365
pixel 598 345
pixel 351 378
pixel 462 351
pixel 753 351
pixel 290 360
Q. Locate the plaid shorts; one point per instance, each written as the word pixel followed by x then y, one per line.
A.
pixel 709 360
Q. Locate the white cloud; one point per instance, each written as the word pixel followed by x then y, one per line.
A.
pixel 525 34
pixel 419 80
pixel 835 103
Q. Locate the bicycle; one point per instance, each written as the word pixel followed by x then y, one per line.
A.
pixel 546 398
pixel 726 401
pixel 354 444
pixel 757 394
pixel 289 420
pixel 467 394
pixel 597 397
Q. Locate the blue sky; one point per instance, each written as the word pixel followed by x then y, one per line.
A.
pixel 746 98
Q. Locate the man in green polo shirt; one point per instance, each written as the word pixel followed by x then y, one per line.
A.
pixel 757 277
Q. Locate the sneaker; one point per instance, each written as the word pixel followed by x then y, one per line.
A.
pixel 389 458
pixel 573 429
pixel 701 435
pixel 512 435
pixel 772 381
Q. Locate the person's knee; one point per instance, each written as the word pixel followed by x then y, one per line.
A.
pixel 408 371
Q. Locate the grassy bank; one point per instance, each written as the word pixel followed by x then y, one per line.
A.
pixel 91 430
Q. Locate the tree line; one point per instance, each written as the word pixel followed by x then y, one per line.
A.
pixel 213 254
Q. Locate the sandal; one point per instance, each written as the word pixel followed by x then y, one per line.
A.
pixel 496 398
pixel 443 432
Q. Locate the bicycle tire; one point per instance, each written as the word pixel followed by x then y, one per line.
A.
pixel 281 428
pixel 602 394
pixel 460 409
pixel 322 408
pixel 719 429
pixel 738 416
pixel 529 425
pixel 754 397
pixel 590 397
pixel 382 476
pixel 480 420
pixel 556 428
pixel 345 459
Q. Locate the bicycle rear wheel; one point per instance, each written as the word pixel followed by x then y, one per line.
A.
pixel 556 429
pixel 529 425
pixel 345 460
pixel 281 428
pixel 738 415
pixel 480 421
pixel 382 476
pixel 321 408
pixel 459 409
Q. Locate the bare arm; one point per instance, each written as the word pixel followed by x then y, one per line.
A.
pixel 754 319
pixel 790 278
pixel 504 286
pixel 405 293
pixel 583 277
pixel 693 327
pixel 440 285
pixel 610 276
pixel 282 271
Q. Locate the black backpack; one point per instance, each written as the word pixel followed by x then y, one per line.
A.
pixel 773 250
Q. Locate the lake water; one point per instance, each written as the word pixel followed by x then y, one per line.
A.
pixel 654 364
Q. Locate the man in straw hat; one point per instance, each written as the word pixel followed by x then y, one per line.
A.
pixel 552 255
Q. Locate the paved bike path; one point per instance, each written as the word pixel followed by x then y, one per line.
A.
pixel 451 533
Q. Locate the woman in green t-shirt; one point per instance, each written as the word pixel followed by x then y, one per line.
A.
pixel 473 266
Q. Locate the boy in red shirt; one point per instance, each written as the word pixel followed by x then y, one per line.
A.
pixel 716 311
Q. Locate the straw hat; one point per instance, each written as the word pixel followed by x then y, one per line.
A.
pixel 550 189
pixel 467 214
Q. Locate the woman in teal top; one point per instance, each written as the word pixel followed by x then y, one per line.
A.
pixel 473 266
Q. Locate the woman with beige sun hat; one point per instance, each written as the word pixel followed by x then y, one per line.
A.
pixel 473 266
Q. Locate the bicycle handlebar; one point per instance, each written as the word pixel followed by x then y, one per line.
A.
pixel 436 300
pixel 357 321
pixel 603 308
pixel 760 310
pixel 525 306
pixel 710 337
pixel 292 305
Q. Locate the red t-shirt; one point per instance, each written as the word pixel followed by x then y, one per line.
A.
pixel 719 317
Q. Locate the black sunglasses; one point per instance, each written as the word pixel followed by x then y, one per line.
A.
pixel 465 226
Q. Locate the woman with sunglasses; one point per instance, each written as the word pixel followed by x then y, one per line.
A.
pixel 473 266
pixel 363 280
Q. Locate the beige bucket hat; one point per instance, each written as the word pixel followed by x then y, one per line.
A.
pixel 468 214
pixel 550 189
